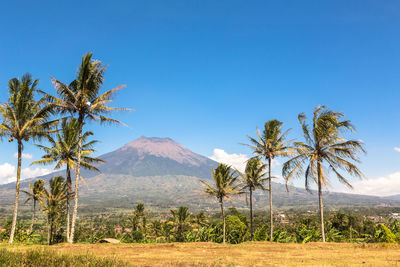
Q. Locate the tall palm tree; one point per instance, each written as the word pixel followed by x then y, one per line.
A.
pixel 82 98
pixel 269 145
pixel 34 194
pixel 324 146
pixel 24 119
pixel 64 152
pixel 53 203
pixel 224 186
pixel 252 179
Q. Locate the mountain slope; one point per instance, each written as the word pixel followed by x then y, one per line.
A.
pixel 154 157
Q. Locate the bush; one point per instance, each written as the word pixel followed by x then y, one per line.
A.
pixel 261 233
pixel 235 229
pixel 384 234
pixel 38 257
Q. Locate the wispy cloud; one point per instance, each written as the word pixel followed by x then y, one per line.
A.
pixel 24 156
pixel 397 149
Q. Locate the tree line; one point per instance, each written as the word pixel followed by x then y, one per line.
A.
pixel 60 119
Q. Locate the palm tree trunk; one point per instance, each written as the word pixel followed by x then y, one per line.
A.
pixel 251 214
pixel 271 219
pixel 321 205
pixel 33 216
pixel 69 184
pixel 51 232
pixel 15 213
pixel 48 229
pixel 223 218
pixel 76 195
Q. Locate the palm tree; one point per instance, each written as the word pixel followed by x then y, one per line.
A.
pixel 139 212
pixel 252 179
pixel 64 152
pixel 180 216
pixel 34 194
pixel 224 186
pixel 271 144
pixel 24 119
pixel 53 203
pixel 82 98
pixel 324 145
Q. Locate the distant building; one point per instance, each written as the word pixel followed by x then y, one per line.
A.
pixel 395 216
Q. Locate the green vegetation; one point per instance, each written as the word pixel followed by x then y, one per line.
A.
pixel 40 257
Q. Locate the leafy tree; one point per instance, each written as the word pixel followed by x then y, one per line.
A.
pixel 252 179
pixel 269 145
pixel 34 194
pixel 133 221
pixel 53 204
pixel 224 186
pixel 82 98
pixel 181 217
pixel 384 234
pixel 64 152
pixel 235 229
pixel 324 145
pixel 156 227
pixel 24 119
pixel 140 214
pixel 201 219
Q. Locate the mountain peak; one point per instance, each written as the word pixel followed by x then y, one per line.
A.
pixel 163 148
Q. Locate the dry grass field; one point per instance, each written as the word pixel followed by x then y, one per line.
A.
pixel 246 254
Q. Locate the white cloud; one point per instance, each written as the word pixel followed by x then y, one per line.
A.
pixel 31 173
pixel 8 173
pixel 24 156
pixel 237 161
pixel 382 186
pixel 397 149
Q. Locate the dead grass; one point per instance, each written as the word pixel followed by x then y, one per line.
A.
pixel 246 254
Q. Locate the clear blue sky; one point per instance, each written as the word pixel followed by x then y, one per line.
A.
pixel 206 73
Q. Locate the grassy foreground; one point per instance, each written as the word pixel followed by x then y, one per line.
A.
pixel 210 254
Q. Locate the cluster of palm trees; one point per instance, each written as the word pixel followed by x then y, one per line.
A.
pixel 324 150
pixel 24 118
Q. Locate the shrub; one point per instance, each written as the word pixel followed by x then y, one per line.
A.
pixel 235 229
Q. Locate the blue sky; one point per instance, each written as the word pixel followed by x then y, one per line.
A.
pixel 207 73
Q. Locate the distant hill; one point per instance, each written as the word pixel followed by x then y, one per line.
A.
pixel 163 174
